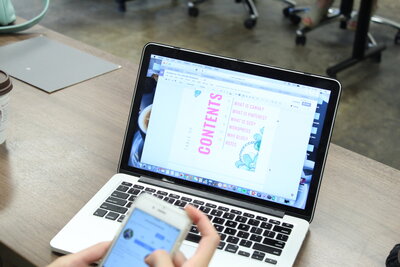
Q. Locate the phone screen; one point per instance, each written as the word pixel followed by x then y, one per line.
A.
pixel 141 235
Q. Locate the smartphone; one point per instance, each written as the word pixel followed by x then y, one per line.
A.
pixel 151 224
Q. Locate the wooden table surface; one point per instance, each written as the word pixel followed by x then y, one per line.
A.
pixel 62 147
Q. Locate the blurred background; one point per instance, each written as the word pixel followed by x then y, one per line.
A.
pixel 368 120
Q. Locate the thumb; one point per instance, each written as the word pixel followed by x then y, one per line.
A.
pixel 159 258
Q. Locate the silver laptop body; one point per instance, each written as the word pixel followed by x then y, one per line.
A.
pixel 246 143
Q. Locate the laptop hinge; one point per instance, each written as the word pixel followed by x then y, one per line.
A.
pixel 167 183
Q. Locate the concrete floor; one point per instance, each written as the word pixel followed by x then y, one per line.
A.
pixel 368 120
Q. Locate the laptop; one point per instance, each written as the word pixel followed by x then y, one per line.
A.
pixel 245 143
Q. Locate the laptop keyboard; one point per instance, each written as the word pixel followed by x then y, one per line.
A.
pixel 242 233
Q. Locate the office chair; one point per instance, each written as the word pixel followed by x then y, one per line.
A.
pixel 249 23
pixel 343 14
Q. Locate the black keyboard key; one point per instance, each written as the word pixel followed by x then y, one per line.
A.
pixel 210 217
pixel 271 261
pixel 132 198
pixel 256 238
pixel 242 234
pixel 218 220
pixel 244 253
pixel 223 208
pixel 246 243
pixel 198 202
pixel 241 219
pixel 100 212
pixel 266 225
pixel 122 188
pixel 287 225
pixel 169 200
pixel 121 218
pixel 282 230
pixel 244 227
pixel 221 245
pixel 134 191
pixel 112 207
pixel 267 249
pixel 273 243
pixel 119 194
pixel 116 201
pixel 129 204
pixel 112 216
pixel 258 255
pixel 269 234
pixel 186 199
pixel 231 224
pixel 180 203
pixel 222 236
pixel 231 248
pixel 219 228
pixel 282 237
pixel 232 239
pixel 253 222
pixel 248 215
pixel 237 212
pixel 193 238
pixel 163 193
pixel 261 218
pixel 210 205
pixel 174 196
pixel 228 216
pixel 256 230
pixel 138 186
pixel 217 213
pixel 159 196
pixel 194 230
pixel 126 184
pixel 204 209
pixel 274 222
pixel 230 231
pixel 150 190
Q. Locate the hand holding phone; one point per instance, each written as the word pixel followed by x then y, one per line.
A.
pixel 207 246
pixel 152 224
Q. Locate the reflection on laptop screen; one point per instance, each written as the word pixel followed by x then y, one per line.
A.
pixel 242 133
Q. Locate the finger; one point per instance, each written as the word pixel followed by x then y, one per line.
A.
pixel 159 258
pixel 179 259
pixel 92 254
pixel 209 236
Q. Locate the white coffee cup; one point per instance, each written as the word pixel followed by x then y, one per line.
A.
pixel 5 88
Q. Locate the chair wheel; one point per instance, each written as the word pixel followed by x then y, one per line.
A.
pixel 397 38
pixel 121 5
pixel 300 40
pixel 295 19
pixel 250 23
pixel 286 11
pixel 193 11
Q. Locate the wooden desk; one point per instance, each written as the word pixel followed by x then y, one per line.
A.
pixel 62 148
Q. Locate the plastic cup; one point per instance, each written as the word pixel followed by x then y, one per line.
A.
pixel 5 88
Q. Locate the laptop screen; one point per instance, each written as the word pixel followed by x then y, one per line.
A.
pixel 247 134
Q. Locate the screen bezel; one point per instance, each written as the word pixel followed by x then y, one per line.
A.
pixel 250 68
